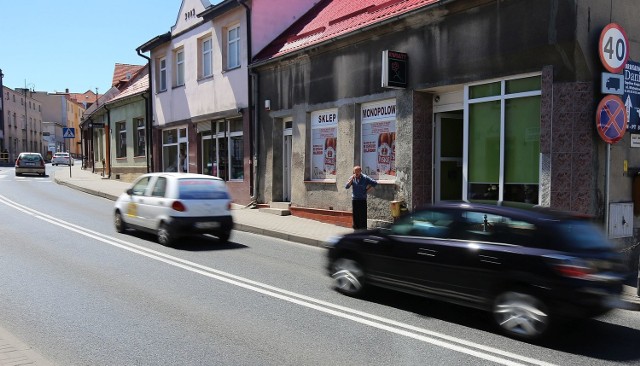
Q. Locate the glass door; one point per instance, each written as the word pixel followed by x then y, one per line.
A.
pixel 448 155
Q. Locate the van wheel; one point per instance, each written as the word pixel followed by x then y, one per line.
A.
pixel 164 235
pixel 121 227
pixel 348 277
pixel 521 315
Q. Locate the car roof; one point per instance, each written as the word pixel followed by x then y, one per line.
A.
pixel 533 213
pixel 181 175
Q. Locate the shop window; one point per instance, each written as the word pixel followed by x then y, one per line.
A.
pixel 324 139
pixel 504 141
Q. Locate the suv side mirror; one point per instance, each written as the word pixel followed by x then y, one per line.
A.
pixel 130 191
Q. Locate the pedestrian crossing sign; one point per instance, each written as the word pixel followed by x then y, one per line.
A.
pixel 68 132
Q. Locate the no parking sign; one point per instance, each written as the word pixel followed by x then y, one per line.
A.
pixel 611 119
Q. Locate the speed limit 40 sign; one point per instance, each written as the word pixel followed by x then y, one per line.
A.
pixel 613 48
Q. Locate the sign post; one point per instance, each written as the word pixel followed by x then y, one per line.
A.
pixel 69 133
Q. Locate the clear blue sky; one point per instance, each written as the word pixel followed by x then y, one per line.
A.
pixel 75 44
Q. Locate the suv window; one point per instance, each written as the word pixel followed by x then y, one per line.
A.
pixel 581 235
pixel 498 229
pixel 425 223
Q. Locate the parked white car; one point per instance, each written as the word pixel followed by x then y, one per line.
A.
pixel 62 158
pixel 173 205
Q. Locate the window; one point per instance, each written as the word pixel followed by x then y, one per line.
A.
pixel 121 147
pixel 504 141
pixel 226 145
pixel 379 140
pixel 207 57
pixel 162 74
pixel 140 138
pixel 160 187
pixel 432 224
pixel 141 186
pixel 179 57
pixel 233 47
pixel 324 138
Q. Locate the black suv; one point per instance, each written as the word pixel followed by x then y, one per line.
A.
pixel 528 267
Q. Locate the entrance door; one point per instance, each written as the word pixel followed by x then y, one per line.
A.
pixel 448 153
pixel 286 160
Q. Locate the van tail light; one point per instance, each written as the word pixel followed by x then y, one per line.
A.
pixel 178 206
pixel 18 162
pixel 42 163
pixel 229 205
pixel 572 267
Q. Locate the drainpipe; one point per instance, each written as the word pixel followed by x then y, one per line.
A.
pixel 146 133
pixel 252 83
pixel 107 133
pixel 149 114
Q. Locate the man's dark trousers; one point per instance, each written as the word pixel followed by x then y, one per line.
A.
pixel 359 214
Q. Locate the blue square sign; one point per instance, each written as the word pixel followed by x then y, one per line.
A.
pixel 68 132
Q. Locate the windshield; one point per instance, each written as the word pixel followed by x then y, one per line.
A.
pixel 202 188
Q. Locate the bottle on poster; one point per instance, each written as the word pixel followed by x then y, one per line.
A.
pixel 392 159
pixel 330 155
pixel 384 154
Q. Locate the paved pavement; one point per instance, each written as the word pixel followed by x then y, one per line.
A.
pixel 306 231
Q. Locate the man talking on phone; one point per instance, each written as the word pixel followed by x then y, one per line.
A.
pixel 361 184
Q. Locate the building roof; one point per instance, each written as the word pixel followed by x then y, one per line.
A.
pixel 333 18
pixel 138 86
pixel 122 73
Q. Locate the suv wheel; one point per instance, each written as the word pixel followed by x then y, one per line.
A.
pixel 164 235
pixel 348 277
pixel 521 315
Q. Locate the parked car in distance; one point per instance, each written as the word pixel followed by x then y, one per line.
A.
pixel 528 267
pixel 30 163
pixel 62 158
pixel 173 205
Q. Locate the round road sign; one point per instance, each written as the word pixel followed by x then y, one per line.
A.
pixel 611 119
pixel 613 48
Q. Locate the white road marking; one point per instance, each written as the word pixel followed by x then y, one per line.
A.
pixel 442 340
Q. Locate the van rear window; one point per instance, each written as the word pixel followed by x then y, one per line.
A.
pixel 202 189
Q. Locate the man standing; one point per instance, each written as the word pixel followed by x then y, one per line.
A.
pixel 361 184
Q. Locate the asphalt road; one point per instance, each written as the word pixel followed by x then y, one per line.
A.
pixel 78 293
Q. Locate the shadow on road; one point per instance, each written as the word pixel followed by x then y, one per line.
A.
pixel 593 338
pixel 195 243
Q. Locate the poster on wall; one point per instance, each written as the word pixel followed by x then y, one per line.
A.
pixel 324 138
pixel 379 140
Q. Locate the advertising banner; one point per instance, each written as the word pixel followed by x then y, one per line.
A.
pixel 379 139
pixel 324 139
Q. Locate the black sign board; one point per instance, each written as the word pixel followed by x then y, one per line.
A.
pixel 395 69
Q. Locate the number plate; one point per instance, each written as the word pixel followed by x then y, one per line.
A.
pixel 30 164
pixel 207 225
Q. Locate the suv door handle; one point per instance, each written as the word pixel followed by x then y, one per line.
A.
pixel 427 252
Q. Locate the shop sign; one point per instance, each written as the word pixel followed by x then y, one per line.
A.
pixel 631 97
pixel 394 69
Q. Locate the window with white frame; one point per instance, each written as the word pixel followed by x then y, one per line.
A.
pixel 503 156
pixel 179 57
pixel 121 147
pixel 223 153
pixel 233 47
pixel 207 57
pixel 162 74
pixel 140 136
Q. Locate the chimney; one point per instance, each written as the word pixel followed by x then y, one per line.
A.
pixel 66 90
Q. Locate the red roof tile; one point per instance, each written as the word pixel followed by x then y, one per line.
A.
pixel 123 73
pixel 332 18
